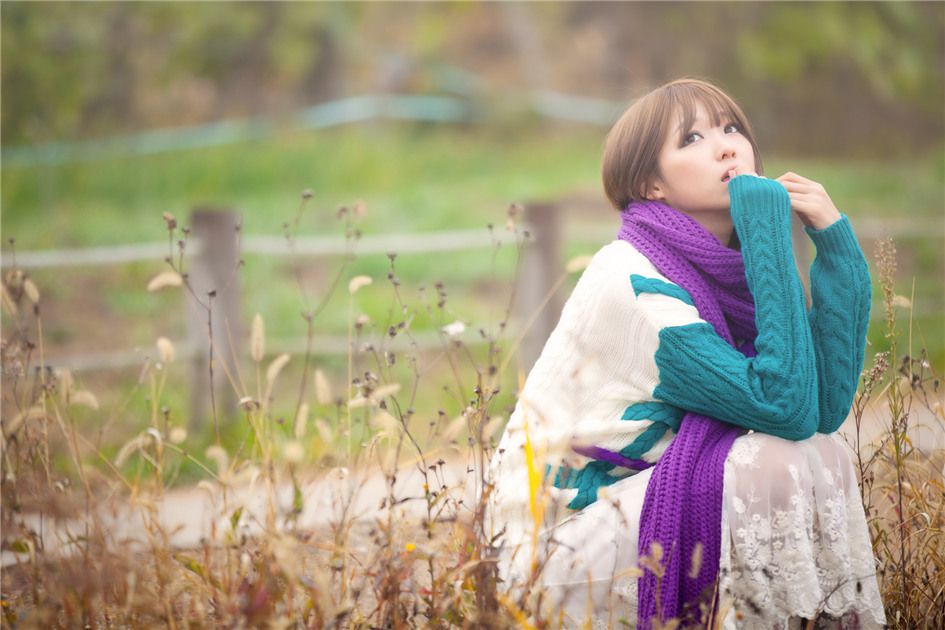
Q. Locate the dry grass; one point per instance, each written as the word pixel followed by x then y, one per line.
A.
pixel 430 567
pixel 902 482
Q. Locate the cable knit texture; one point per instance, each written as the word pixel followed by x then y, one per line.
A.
pixel 839 315
pixel 683 503
pixel 641 346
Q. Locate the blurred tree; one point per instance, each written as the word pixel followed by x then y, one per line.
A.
pixel 114 100
pixel 51 67
pixel 89 69
pixel 858 77
pixel 888 44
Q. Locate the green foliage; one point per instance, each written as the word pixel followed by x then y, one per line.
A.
pixel 81 70
pixel 413 180
pixel 887 43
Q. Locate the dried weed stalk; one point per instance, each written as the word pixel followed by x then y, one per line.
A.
pixel 71 561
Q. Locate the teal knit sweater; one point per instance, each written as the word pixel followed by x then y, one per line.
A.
pixel 631 353
pixel 808 364
pixel 805 374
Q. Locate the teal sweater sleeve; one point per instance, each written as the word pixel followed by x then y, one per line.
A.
pixel 776 391
pixel 839 316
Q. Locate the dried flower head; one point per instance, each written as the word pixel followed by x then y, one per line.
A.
pixel 258 339
pixel 165 349
pixel 164 279
pixel 357 282
pixel 170 221
pixel 322 388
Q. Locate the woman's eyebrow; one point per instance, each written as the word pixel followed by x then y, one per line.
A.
pixel 700 121
pixel 695 123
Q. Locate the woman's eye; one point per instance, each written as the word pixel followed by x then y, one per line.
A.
pixel 691 138
pixel 735 128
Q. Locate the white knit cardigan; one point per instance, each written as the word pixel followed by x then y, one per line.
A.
pixel 598 361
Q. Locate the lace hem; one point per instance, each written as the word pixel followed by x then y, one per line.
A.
pixel 795 541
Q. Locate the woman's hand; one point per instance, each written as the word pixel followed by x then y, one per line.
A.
pixel 810 201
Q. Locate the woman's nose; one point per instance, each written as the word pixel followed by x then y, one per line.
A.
pixel 726 150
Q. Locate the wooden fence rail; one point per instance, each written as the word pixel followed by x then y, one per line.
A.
pixel 213 252
pixel 442 241
pixel 313 246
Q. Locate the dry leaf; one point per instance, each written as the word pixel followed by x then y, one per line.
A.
pixel 454 330
pixel 301 419
pixel 84 397
pixel 357 401
pixel 454 428
pixel 130 447
pixel 272 372
pixel 385 390
pixel 220 456
pixel 385 422
pixel 577 263
pixel 534 483
pixel 257 342
pixel 901 301
pixel 33 413
pixel 29 288
pixel 696 564
pixel 322 389
pixel 165 349
pixel 490 428
pixel 178 435
pixel 165 279
pixel 8 304
pixel 324 431
pixel 293 452
pixel 357 282
pixel 65 384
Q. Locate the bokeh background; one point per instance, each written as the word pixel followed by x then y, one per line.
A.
pixel 427 117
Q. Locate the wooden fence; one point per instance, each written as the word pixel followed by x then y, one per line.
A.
pixel 213 253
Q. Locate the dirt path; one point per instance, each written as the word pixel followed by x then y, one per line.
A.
pixel 193 514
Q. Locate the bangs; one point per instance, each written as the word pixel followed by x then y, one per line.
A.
pixel 686 97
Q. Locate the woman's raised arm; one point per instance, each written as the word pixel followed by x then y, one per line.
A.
pixel 839 316
pixel 775 391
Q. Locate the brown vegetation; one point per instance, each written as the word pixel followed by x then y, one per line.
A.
pixel 66 565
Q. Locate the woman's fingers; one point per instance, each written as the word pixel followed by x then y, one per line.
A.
pixel 809 199
pixel 742 171
pixel 793 179
pixel 793 186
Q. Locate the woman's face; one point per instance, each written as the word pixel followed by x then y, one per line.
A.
pixel 694 164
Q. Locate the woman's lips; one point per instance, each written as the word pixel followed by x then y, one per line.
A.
pixel 729 174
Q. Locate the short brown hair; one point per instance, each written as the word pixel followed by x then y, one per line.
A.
pixel 632 147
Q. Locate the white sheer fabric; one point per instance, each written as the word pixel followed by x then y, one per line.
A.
pixel 795 544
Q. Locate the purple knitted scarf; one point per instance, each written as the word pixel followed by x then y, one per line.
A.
pixel 683 503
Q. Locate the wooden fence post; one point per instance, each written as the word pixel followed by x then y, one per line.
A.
pixel 213 269
pixel 541 268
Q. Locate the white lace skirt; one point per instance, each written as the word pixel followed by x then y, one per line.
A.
pixel 795 544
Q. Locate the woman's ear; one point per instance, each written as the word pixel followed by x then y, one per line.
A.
pixel 654 192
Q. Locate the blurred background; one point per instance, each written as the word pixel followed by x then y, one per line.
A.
pixel 426 119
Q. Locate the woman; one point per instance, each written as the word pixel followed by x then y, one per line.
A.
pixel 688 398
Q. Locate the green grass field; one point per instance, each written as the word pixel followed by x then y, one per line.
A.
pixel 413 178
